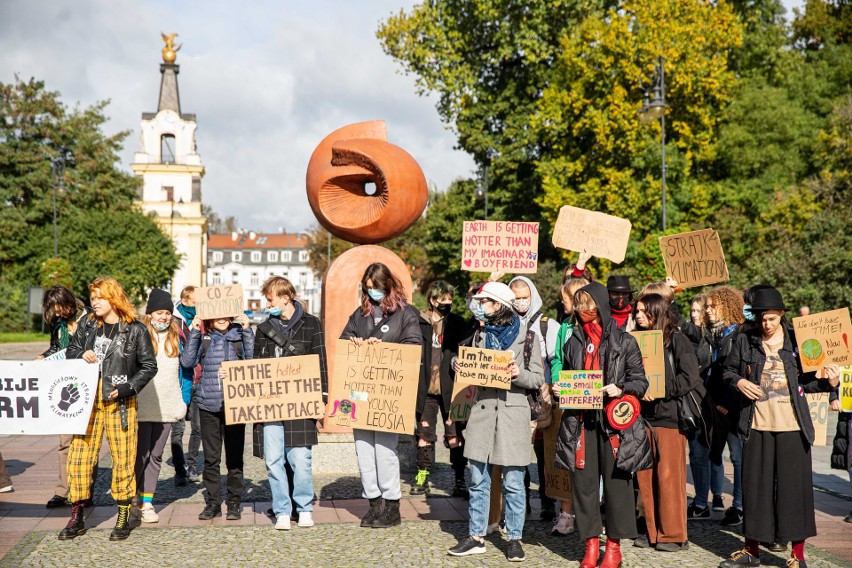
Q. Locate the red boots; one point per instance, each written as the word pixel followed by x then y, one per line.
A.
pixel 612 554
pixel 593 551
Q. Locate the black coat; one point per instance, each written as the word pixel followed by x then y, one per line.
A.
pixel 403 326
pixel 455 330
pixel 747 359
pixel 307 339
pixel 839 457
pixel 679 381
pixel 621 360
pixel 129 358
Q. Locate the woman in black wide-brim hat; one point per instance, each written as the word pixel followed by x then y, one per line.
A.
pixel 776 428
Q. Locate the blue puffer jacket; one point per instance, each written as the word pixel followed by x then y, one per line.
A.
pixel 208 395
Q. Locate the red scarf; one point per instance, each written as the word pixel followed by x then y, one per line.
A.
pixel 592 357
pixel 621 316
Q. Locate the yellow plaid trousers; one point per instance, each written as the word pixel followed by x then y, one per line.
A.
pixel 83 454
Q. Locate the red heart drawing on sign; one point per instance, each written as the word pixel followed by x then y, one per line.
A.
pixel 467 262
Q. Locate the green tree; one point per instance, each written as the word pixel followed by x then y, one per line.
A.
pixel 96 215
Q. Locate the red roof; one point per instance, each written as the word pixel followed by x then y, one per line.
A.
pixel 244 241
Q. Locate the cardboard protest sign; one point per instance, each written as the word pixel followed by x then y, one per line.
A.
pixel 484 367
pixel 818 404
pixel 846 389
pixel 375 386
pixel 653 359
pixel 602 235
pixel 491 246
pixel 558 481
pixel 272 390
pixel 823 339
pixel 694 258
pixel 213 302
pixel 47 397
pixel 580 389
pixel 462 401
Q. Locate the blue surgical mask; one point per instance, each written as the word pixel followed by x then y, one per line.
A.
pixel 160 326
pixel 273 311
pixel 749 315
pixel 376 295
pixel 475 307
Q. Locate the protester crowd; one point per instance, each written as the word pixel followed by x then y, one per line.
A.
pixel 733 378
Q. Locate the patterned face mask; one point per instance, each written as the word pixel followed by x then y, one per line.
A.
pixel 522 306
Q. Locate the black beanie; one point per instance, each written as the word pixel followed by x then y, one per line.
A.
pixel 159 300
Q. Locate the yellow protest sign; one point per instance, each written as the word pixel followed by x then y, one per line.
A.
pixel 269 390
pixel 653 359
pixel 507 246
pixel 213 302
pixel 484 367
pixel 375 386
pixel 580 389
pixel 846 389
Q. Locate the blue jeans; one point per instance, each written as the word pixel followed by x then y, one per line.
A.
pixel 276 453
pixel 706 476
pixel 480 491
pixel 735 447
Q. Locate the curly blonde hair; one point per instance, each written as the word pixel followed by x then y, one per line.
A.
pixel 728 304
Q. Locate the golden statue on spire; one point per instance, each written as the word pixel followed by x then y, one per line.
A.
pixel 170 51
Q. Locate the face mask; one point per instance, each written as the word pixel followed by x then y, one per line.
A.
pixel 475 308
pixel 618 304
pixel 160 326
pixel 443 309
pixel 188 311
pixel 522 306
pixel 587 317
pixel 376 295
pixel 490 317
pixel 749 315
pixel 273 311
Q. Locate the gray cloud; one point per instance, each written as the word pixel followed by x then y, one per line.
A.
pixel 267 81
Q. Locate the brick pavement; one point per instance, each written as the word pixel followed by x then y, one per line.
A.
pixel 28 530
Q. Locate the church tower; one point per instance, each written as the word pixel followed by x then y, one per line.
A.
pixel 171 172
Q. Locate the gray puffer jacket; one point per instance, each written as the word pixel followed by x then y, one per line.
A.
pixel 223 347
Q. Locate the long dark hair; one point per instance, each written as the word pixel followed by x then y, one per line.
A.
pixel 503 316
pixel 61 296
pixel 661 313
pixel 384 280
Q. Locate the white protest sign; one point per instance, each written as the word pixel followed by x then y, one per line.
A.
pixel 47 397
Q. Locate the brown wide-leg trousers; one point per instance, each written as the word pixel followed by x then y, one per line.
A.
pixel 663 488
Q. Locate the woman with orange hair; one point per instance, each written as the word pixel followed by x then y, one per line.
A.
pixel 113 338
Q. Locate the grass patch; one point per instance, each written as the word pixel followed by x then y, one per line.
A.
pixel 21 337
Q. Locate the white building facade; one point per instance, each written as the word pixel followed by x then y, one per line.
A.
pixel 250 258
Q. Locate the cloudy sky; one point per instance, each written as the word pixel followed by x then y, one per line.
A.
pixel 267 80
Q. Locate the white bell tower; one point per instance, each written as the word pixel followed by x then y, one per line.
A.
pixel 171 173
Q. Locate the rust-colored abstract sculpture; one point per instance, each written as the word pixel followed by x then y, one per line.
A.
pixel 341 166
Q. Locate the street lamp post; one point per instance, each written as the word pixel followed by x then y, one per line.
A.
pixel 58 164
pixel 481 191
pixel 653 108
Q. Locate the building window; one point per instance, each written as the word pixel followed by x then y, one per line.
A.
pixel 272 256
pixel 217 279
pixel 256 256
pixel 255 279
pixel 235 277
pixel 167 149
pixel 303 256
pixel 261 240
pixel 286 256
pixel 170 192
pixel 218 256
pixel 236 257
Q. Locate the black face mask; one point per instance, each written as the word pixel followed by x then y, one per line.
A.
pixel 444 309
pixel 619 303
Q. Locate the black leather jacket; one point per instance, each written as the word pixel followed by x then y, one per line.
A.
pixel 129 358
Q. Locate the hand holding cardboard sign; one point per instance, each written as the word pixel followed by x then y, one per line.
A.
pixel 833 374
pixel 513 369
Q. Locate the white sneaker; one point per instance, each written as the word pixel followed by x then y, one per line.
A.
pixel 564 524
pixel 148 514
pixel 306 520
pixel 282 523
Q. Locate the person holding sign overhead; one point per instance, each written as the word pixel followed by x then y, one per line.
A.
pixel 666 516
pixel 498 429
pixel 290 332
pixel 588 440
pixel 775 425
pixel 384 316
pixel 222 341
pixel 114 339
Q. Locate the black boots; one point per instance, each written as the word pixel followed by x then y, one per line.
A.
pixel 389 517
pixel 76 525
pixel 373 514
pixel 122 523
